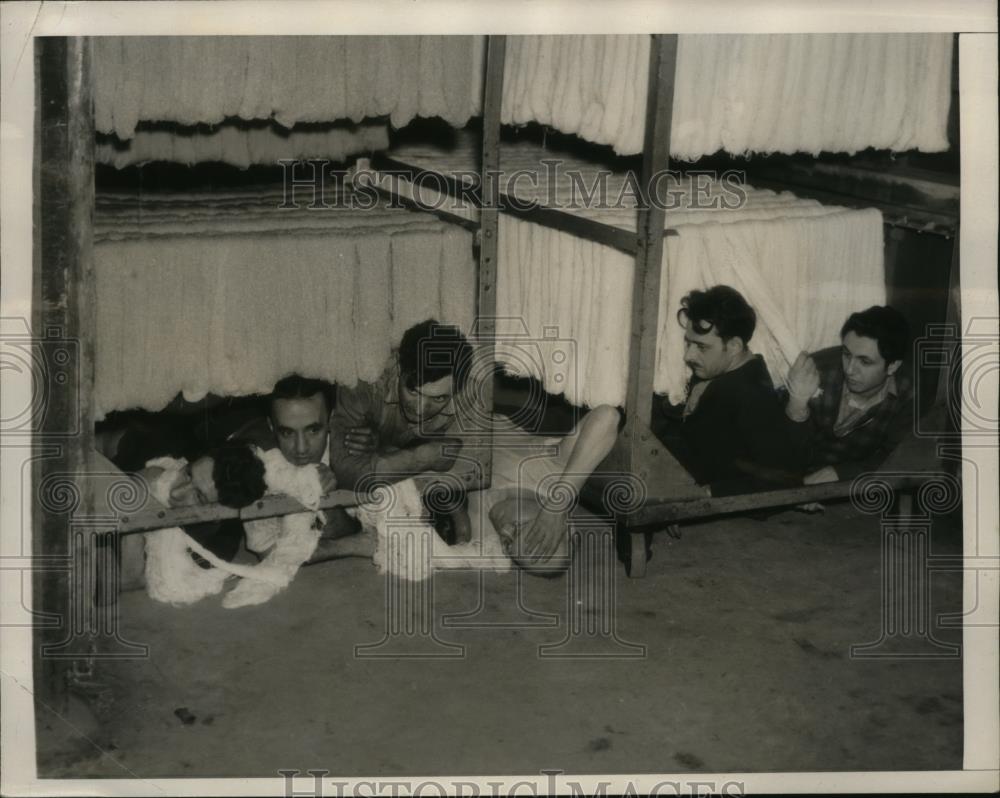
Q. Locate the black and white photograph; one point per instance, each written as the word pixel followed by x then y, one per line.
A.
pixel 465 399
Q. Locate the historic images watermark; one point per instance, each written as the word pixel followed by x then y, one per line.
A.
pixel 316 784
pixel 314 185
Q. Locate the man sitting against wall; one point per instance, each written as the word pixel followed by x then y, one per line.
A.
pixel 731 433
pixel 864 407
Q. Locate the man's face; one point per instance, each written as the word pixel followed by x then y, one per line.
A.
pixel 194 484
pixel 706 354
pixel 426 401
pixel 301 426
pixel 865 370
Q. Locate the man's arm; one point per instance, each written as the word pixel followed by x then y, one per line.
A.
pixel 351 464
pixel 353 409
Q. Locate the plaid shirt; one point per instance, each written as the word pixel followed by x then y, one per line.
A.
pixel 875 434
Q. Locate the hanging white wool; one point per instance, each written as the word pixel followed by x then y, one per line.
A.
pixel 787 129
pixel 384 77
pixel 477 69
pixel 514 80
pixel 617 90
pixel 431 67
pixel 591 83
pixel 582 65
pixel 125 96
pixel 372 308
pixel 543 89
pixel 872 63
pixel 933 125
pixel 355 78
pixel 565 114
pixel 630 135
pixel 457 74
pixel 343 313
pixel 457 284
pixel 414 290
pixel 106 60
pixel 408 82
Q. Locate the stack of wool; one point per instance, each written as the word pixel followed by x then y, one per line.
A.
pixel 242 145
pixel 195 80
pixel 227 293
pixel 740 93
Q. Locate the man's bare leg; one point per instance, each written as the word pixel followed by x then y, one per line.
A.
pixel 591 442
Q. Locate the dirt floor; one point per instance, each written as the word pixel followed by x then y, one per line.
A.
pixel 747 627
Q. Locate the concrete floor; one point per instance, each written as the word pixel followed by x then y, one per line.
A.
pixel 747 626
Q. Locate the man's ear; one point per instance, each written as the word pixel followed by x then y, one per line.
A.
pixel 735 345
pixel 893 367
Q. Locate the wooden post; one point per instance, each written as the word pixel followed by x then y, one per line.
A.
pixel 651 221
pixel 62 327
pixel 953 318
pixel 486 308
pixel 637 435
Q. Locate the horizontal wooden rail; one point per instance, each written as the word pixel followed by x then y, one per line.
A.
pixel 467 476
pixel 667 512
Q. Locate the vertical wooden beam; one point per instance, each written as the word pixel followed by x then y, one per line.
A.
pixel 62 326
pixel 953 317
pixel 486 307
pixel 649 257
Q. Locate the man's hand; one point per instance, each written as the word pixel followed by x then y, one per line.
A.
pixel 327 480
pixel 359 440
pixel 803 382
pixel 825 474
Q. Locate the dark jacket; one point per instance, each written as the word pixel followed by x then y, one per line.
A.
pixel 737 440
pixel 876 434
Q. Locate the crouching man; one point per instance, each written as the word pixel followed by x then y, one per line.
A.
pixel 852 405
pixel 731 433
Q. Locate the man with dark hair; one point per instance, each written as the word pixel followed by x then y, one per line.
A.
pixel 298 423
pixel 864 407
pixel 231 475
pixel 730 433
pixel 395 427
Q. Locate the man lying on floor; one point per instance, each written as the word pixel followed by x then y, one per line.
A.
pixel 236 475
pixel 865 405
pixel 145 438
pixel 731 433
